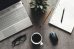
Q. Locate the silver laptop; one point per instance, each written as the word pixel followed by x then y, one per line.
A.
pixel 13 19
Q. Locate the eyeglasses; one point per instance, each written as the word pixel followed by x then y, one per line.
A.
pixel 19 40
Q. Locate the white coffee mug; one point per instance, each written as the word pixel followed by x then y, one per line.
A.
pixel 36 39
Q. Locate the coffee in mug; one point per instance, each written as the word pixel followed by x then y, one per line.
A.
pixel 36 39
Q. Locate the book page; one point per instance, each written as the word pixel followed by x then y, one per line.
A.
pixel 68 17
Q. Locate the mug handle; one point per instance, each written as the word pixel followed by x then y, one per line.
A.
pixel 41 43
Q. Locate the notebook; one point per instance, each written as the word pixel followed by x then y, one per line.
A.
pixel 13 19
pixel 67 18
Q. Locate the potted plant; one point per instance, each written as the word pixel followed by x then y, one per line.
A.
pixel 38 8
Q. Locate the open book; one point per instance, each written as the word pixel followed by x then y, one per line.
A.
pixel 63 16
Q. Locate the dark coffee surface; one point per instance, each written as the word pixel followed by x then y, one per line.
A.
pixel 36 38
pixel 6 3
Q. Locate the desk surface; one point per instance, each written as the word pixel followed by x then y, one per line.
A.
pixel 66 41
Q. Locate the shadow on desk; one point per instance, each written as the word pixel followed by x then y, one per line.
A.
pixel 36 46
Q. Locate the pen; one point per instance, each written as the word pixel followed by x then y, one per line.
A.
pixel 62 15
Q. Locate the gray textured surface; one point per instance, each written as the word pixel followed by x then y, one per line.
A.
pixel 11 18
pixel 66 41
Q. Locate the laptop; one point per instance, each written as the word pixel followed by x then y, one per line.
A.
pixel 13 18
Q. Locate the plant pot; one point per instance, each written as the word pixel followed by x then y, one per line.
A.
pixel 36 15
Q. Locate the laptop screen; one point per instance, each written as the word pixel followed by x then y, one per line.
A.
pixel 6 3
